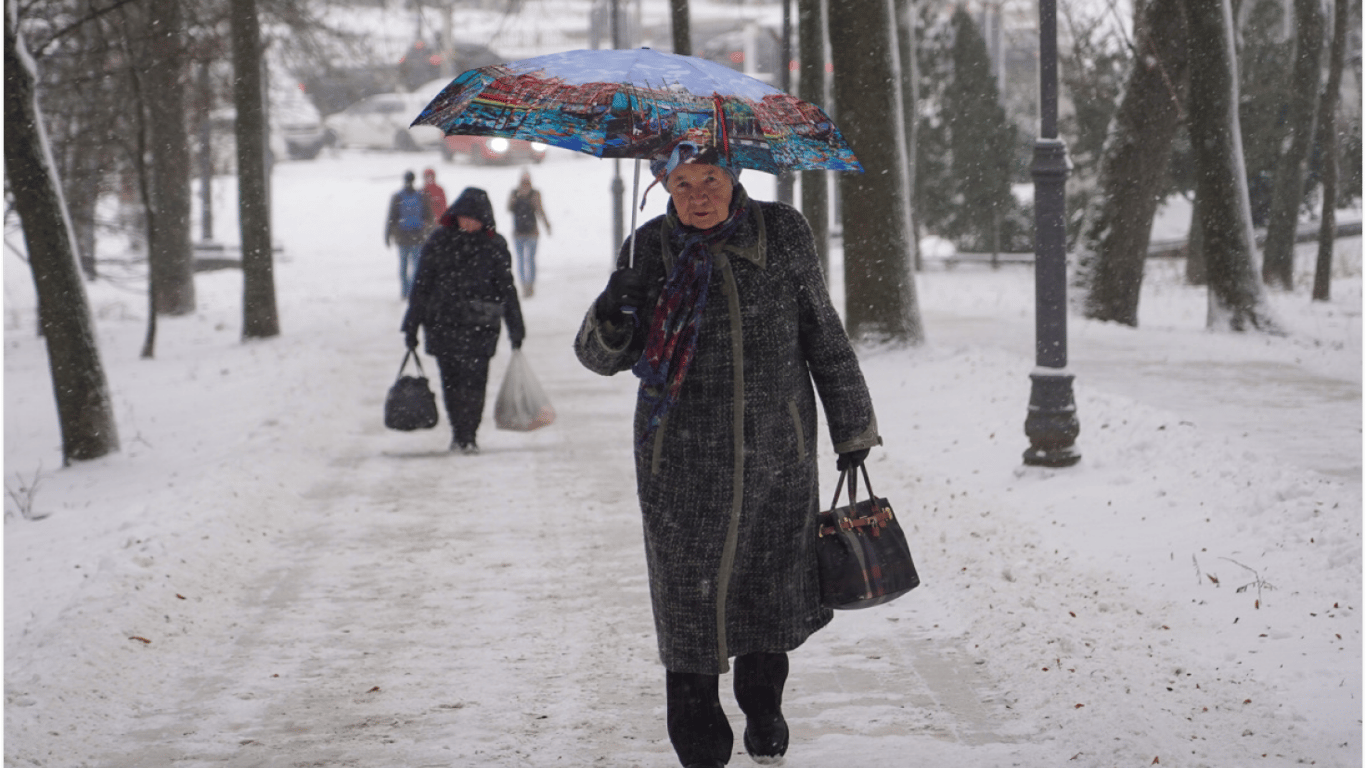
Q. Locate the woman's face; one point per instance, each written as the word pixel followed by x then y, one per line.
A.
pixel 701 194
pixel 469 224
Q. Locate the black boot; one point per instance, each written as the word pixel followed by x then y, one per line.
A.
pixel 759 680
pixel 698 728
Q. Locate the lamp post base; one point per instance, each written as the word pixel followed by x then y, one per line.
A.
pixel 1051 425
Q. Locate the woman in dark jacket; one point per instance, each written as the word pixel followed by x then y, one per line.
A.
pixel 733 337
pixel 462 294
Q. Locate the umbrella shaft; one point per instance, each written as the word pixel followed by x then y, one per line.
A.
pixel 635 192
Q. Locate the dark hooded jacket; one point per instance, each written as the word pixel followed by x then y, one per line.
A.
pixel 464 288
pixel 728 483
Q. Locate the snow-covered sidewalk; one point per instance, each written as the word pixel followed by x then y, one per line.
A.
pixel 264 576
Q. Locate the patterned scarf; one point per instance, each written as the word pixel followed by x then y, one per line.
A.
pixel 672 339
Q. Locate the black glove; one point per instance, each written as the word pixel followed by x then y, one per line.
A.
pixel 852 459
pixel 626 288
pixel 411 340
pixel 516 343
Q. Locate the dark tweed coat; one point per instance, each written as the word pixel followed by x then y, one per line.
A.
pixel 728 485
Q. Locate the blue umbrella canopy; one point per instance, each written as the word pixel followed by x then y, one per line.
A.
pixel 639 104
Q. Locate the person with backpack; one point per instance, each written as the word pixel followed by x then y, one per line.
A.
pixel 410 215
pixel 525 204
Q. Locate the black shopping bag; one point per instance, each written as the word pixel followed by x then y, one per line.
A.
pixel 410 404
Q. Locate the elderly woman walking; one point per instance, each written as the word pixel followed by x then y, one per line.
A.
pixel 726 320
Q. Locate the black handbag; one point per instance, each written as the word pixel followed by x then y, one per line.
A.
pixel 410 403
pixel 863 555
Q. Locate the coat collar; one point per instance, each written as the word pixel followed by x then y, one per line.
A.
pixel 749 245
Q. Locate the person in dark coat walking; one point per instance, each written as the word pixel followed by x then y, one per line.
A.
pixel 461 296
pixel 733 336
pixel 410 216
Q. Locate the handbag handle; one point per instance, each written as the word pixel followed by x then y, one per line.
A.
pixel 853 487
pixel 413 354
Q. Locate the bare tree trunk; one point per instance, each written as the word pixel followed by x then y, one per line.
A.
pixel 170 254
pixel 1278 255
pixel 259 316
pixel 1236 301
pixel 204 96
pixel 149 339
pixel 1134 166
pixel 1328 107
pixel 1197 273
pixel 811 85
pixel 83 190
pixel 83 404
pixel 880 300
pixel 682 27
pixel 910 95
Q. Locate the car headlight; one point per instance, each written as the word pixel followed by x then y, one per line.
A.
pixel 499 145
pixel 538 146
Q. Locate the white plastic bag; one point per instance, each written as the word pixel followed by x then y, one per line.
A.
pixel 522 405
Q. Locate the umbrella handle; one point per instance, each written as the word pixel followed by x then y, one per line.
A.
pixel 635 192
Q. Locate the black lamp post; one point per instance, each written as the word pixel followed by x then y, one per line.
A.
pixel 1051 425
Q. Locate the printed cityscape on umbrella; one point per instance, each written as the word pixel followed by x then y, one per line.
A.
pixel 753 124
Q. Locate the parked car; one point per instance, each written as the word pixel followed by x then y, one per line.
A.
pixel 480 150
pixel 491 150
pixel 297 123
pixel 296 131
pixel 381 122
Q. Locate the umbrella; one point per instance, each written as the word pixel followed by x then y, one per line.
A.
pixel 637 104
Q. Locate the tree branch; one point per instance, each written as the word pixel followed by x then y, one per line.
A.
pixel 94 15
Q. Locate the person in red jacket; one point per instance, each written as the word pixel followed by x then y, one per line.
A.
pixel 436 196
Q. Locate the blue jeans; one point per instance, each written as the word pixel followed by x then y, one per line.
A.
pixel 526 257
pixel 407 267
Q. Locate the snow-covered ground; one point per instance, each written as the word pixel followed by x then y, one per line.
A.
pixel 265 576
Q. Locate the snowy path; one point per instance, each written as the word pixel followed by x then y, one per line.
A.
pixel 311 589
pixel 437 610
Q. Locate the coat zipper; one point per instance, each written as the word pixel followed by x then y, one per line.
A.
pixel 737 345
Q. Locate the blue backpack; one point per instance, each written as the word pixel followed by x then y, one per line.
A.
pixel 410 206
